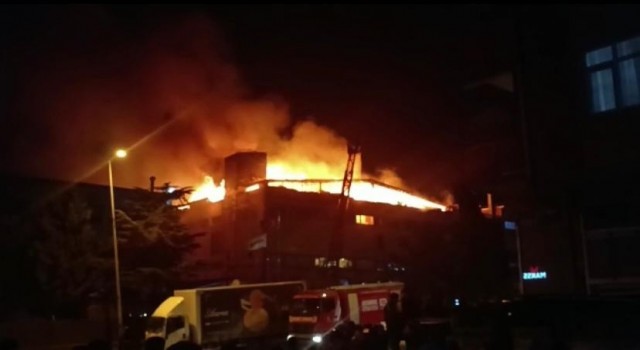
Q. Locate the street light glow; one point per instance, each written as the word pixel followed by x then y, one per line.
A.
pixel 121 153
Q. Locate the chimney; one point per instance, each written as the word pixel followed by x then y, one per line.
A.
pixel 152 183
pixel 243 168
pixel 489 210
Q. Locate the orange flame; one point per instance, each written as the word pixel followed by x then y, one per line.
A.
pixel 362 190
pixel 208 190
pixel 292 176
pixel 304 170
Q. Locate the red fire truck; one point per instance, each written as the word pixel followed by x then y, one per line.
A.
pixel 315 313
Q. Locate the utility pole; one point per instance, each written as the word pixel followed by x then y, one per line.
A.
pixel 519 251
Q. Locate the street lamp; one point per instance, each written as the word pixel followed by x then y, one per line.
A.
pixel 118 154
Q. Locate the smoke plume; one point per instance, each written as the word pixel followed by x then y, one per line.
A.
pixel 168 88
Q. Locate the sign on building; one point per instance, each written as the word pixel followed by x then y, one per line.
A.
pixel 510 225
pixel 534 274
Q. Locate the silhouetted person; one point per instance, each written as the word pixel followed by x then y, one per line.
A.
pixel 358 340
pixel 394 320
pixel 343 335
pixel 412 311
pixel 379 337
pixel 412 335
pixel 369 340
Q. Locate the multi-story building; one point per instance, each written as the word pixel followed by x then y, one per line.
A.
pixel 282 229
pixel 578 92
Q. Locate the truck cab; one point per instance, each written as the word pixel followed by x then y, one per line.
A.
pixel 230 315
pixel 316 313
pixel 169 322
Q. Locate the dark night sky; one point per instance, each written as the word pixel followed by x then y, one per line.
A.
pixel 388 75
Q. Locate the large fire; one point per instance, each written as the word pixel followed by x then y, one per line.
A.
pixel 303 179
pixel 208 190
pixel 361 190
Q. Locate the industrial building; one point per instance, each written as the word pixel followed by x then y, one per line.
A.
pixel 277 230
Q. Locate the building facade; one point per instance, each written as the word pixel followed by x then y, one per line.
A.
pixel 268 230
pixel 578 82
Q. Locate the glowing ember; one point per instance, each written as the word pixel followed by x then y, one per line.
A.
pixel 208 190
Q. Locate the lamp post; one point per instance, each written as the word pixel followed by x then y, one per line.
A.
pixel 118 154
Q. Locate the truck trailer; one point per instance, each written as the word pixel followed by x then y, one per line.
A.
pixel 225 315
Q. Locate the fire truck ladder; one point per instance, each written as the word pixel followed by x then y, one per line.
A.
pixel 336 246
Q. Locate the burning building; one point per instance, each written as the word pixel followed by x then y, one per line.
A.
pixel 261 223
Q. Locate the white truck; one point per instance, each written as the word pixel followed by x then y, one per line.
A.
pixel 226 315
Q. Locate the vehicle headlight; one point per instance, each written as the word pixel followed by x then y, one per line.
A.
pixel 317 339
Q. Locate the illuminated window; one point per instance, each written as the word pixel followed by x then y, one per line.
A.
pixel 345 263
pixel 327 263
pixel 614 75
pixel 364 220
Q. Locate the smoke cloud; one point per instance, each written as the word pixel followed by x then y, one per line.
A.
pixel 168 88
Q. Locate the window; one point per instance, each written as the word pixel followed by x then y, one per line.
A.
pixel 345 263
pixel 312 306
pixel 364 220
pixel 602 96
pixel 341 263
pixel 629 70
pixel 155 324
pixel 174 323
pixel 328 305
pixel 614 75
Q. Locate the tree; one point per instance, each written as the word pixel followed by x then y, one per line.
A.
pixel 74 250
pixel 153 242
pixel 72 258
pixel 19 285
